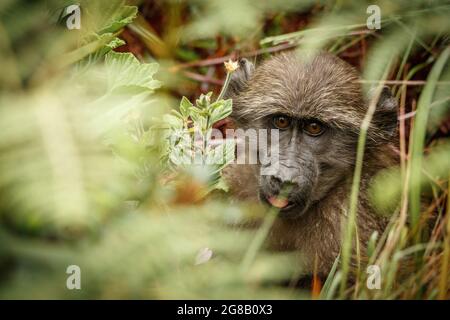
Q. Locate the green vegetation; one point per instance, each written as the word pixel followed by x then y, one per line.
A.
pixel 88 178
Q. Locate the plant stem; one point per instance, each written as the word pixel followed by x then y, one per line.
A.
pixel 225 86
pixel 350 226
pixel 258 241
pixel 419 132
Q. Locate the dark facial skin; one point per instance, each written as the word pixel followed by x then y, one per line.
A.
pixel 309 162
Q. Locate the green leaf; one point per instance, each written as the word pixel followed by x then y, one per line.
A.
pixel 221 110
pixel 173 121
pixel 196 114
pixel 93 45
pixel 97 56
pixel 124 70
pixel 120 19
pixel 204 100
pixel 185 107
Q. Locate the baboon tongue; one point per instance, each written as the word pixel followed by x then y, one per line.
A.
pixel 278 202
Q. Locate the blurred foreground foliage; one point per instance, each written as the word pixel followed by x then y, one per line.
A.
pixel 86 177
pixel 82 170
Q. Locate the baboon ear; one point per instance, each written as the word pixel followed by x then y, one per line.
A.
pixel 385 117
pixel 239 78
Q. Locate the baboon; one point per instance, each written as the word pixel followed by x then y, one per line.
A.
pixel 318 105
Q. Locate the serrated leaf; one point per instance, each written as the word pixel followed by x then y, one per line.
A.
pixel 97 56
pixel 121 18
pixel 124 70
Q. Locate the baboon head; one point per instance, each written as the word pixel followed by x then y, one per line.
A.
pixel 317 104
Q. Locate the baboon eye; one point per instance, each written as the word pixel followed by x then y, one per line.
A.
pixel 281 122
pixel 313 128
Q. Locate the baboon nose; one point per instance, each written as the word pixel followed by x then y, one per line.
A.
pixel 281 187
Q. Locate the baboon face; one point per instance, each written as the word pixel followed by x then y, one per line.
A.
pixel 313 157
pixel 317 105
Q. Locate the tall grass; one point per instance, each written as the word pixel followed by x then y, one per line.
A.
pixel 407 235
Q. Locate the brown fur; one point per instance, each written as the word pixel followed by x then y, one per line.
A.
pixel 325 88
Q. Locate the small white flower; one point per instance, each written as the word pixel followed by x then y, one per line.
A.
pixel 231 66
